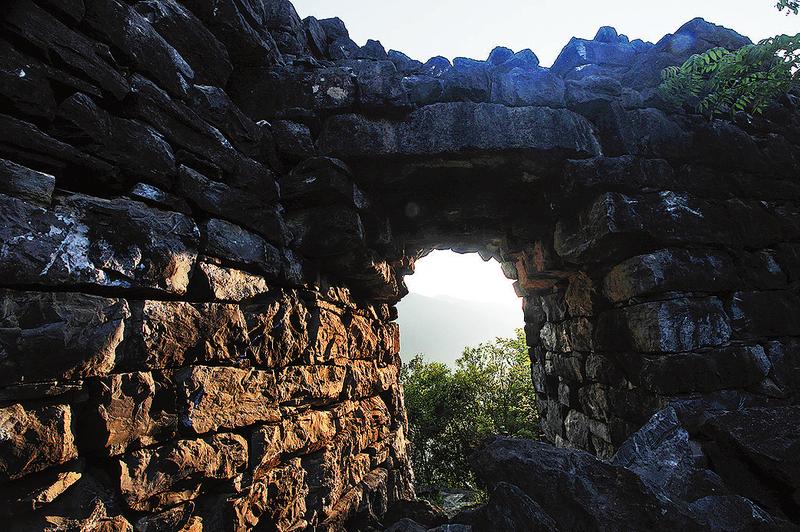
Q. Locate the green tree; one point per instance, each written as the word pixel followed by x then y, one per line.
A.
pixel 789 5
pixel 720 82
pixel 451 410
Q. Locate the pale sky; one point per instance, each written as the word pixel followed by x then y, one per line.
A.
pixel 444 273
pixel 471 28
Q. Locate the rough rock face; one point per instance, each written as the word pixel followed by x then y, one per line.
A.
pixel 671 474
pixel 206 212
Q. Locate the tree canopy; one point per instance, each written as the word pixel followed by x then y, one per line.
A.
pixel 452 410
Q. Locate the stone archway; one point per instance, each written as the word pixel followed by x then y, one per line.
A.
pixel 208 209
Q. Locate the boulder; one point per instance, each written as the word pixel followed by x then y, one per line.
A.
pixel 436 66
pixel 181 126
pixel 239 246
pixel 373 50
pixel 671 270
pixel 767 313
pixel 675 325
pixel 238 204
pixel 420 511
pixel 91 502
pixel 155 197
pixel 510 509
pixel 172 334
pixel 285 27
pixel 423 90
pixel 404 64
pixel 575 489
pixel 663 456
pixel 326 231
pixel 524 59
pixel 24 85
pixel 754 451
pixel 315 37
pixel 293 140
pixel 378 83
pixel 320 181
pixel 38 490
pixel 262 95
pixel 736 366
pixel 618 222
pixel 499 55
pixel 580 52
pixel 214 105
pixel 29 145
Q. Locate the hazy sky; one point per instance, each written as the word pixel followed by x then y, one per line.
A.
pixel 471 28
pixel 444 273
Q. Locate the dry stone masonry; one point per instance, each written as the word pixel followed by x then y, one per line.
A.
pixel 207 209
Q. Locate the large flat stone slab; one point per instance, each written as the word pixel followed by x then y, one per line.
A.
pixel 461 128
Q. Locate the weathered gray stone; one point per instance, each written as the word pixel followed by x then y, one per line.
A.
pixel 125 29
pixel 139 151
pixel 91 241
pixel 450 128
pixel 17 180
pixel 520 87
pixel 607 496
pixel 49 35
pixel 665 326
pixel 252 206
pixel 769 313
pixel 48 336
pixel 196 44
pixel 670 270
pixel 326 231
pixel 241 27
pixel 234 244
pixel 716 369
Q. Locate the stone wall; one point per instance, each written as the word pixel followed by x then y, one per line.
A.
pixel 208 208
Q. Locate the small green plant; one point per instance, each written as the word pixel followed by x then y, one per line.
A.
pixel 720 82
pixel 788 5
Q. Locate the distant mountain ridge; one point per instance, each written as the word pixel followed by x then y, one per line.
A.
pixel 441 327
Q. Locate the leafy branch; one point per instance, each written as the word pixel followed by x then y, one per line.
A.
pixel 719 82
pixel 789 5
